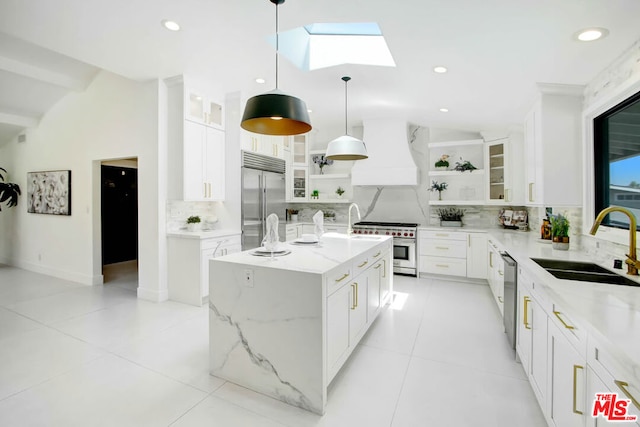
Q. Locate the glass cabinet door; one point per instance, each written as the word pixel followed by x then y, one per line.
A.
pixel 300 150
pixel 497 173
pixel 300 176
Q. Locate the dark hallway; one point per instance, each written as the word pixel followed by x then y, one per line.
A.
pixel 119 214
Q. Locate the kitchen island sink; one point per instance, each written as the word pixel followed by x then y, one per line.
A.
pixel 582 271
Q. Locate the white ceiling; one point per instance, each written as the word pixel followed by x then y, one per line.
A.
pixel 496 50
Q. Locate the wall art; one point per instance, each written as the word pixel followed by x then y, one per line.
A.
pixel 49 192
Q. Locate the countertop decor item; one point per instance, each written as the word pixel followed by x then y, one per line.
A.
pixel 321 161
pixel 340 192
pixel 9 192
pixel 443 162
pixel 559 232
pixel 193 223
pixel 450 217
pixel 439 187
pixel 464 165
pixel 346 147
pixel 276 113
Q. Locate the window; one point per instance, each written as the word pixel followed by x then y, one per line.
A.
pixel 617 161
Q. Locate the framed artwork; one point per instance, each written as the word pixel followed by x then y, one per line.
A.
pixel 49 192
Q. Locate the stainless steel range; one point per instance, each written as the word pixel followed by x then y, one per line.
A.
pixel 404 242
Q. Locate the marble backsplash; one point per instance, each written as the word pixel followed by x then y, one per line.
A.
pixel 178 211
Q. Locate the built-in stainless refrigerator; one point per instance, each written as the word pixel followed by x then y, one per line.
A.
pixel 263 193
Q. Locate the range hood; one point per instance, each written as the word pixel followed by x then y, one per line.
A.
pixel 390 161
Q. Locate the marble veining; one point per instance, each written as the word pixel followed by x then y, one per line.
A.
pixel 298 398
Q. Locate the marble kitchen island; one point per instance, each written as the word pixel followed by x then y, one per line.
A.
pixel 285 326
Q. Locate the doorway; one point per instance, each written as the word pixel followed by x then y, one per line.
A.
pixel 119 222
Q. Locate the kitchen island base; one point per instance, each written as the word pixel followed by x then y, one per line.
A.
pixel 284 326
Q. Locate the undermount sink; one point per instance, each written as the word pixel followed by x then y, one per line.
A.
pixel 582 271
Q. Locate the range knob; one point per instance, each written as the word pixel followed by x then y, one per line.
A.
pixel 376 231
pixel 393 233
pixel 411 234
pixel 406 234
pixel 387 233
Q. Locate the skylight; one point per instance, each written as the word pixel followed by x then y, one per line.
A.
pixel 325 45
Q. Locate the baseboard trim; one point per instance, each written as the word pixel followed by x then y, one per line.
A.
pixel 83 279
pixel 153 294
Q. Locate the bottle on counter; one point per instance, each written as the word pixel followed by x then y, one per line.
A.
pixel 545 229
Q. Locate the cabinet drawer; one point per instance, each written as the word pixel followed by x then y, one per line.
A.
pixel 571 329
pixel 442 265
pixel 361 263
pixel 226 241
pixel 444 248
pixel 448 235
pixel 338 277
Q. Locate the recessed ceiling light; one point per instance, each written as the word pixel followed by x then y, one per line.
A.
pixel 260 81
pixel 444 110
pixel 591 34
pixel 171 25
pixel 440 69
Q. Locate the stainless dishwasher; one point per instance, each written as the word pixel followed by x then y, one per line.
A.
pixel 510 297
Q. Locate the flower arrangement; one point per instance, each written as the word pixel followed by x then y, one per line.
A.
pixel 439 187
pixel 464 165
pixel 340 191
pixel 321 161
pixel 443 162
pixel 9 192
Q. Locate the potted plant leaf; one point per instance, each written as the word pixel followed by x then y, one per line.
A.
pixel 9 192
pixel 464 165
pixel 559 232
pixel 340 192
pixel 193 223
pixel 450 217
pixel 439 187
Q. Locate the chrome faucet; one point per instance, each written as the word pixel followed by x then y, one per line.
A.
pixel 349 227
pixel 632 260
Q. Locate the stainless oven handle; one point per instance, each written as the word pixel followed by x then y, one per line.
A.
pixel 404 240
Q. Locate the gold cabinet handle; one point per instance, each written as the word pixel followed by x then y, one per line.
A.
pixel 469 240
pixel 623 386
pixel 442 235
pixel 575 387
pixel 442 248
pixel 384 268
pixel 500 272
pixel 507 195
pixel 526 313
pixel 354 294
pixel 500 299
pixel 343 277
pixel 557 313
pixel 363 264
pixel 377 255
pixel 531 191
pixel 356 283
pixel 378 266
pixel 442 265
pixel 491 259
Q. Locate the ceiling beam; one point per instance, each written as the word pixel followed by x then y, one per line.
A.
pixel 18 120
pixel 41 74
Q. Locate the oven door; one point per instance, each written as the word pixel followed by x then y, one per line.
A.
pixel 404 255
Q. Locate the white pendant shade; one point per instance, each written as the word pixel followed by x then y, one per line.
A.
pixel 346 148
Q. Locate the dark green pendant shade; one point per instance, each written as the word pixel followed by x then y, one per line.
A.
pixel 276 113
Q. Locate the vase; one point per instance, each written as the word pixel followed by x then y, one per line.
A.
pixel 445 223
pixel 321 171
pixel 439 195
pixel 194 226
pixel 560 243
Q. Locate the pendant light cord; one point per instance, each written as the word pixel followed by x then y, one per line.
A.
pixel 346 101
pixel 277 45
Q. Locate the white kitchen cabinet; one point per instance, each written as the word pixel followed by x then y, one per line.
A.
pixel 195 151
pixel 188 265
pixel 495 274
pixel 477 255
pixel 293 231
pixel 356 294
pixel 607 373
pixel 531 337
pixel 300 150
pixel 269 145
pixel 443 252
pixel 335 228
pixel 201 108
pixel 553 147
pixel 298 177
pixel 204 169
pixel 499 172
pixel 567 381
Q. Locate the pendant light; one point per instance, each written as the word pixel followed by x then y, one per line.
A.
pixel 346 147
pixel 276 113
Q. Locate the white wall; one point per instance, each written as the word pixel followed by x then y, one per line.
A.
pixel 113 118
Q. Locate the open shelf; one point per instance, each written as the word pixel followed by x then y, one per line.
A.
pixel 330 176
pixel 456 173
pixel 456 202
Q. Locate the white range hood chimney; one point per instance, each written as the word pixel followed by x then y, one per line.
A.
pixel 390 161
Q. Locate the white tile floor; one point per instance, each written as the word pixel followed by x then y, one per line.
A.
pixel 72 355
